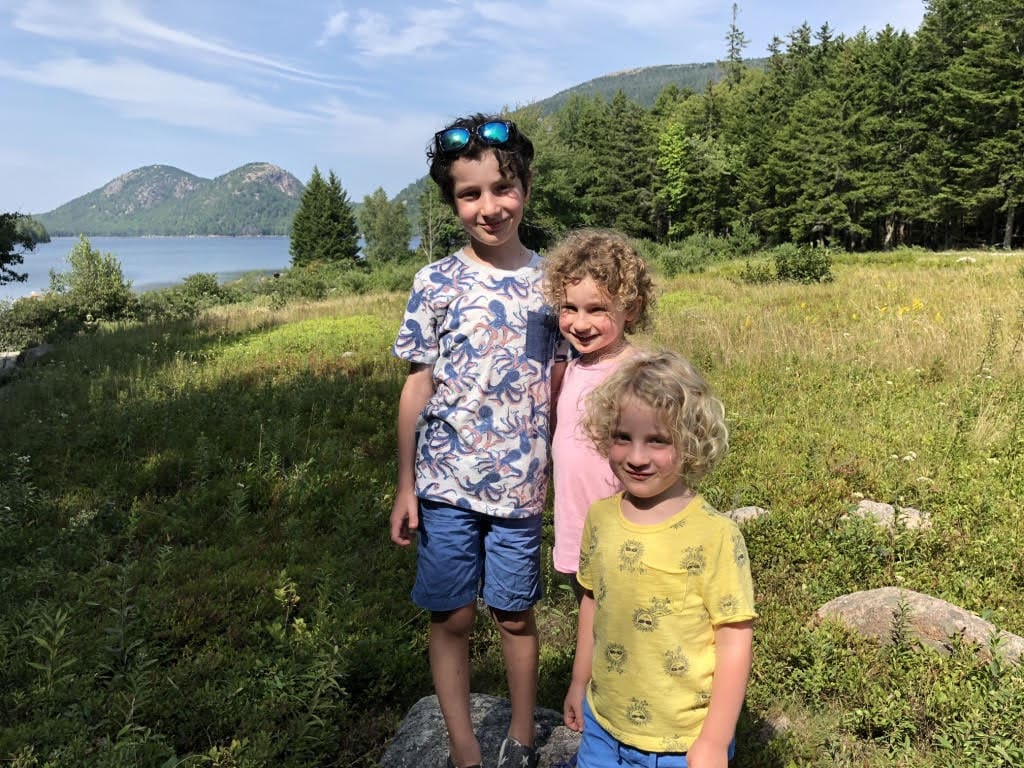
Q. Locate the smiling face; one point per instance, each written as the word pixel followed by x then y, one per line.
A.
pixel 644 459
pixel 489 206
pixel 590 319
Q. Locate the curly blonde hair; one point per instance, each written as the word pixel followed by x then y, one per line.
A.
pixel 610 261
pixel 670 385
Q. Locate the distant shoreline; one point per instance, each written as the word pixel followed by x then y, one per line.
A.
pixel 151 261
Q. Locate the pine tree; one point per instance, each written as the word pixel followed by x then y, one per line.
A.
pixel 622 195
pixel 887 134
pixel 938 199
pixel 324 227
pixel 985 87
pixel 734 65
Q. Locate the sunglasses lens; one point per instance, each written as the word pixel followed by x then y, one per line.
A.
pixel 453 139
pixel 493 133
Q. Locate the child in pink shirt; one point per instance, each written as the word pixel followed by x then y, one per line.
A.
pixel 600 288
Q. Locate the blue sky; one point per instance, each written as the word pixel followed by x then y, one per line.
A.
pixel 94 88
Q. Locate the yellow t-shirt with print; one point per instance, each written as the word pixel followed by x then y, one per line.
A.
pixel 660 592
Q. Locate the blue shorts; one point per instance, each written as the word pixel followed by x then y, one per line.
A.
pixel 599 749
pixel 463 554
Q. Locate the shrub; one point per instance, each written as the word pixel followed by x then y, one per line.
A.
pixel 95 284
pixel 742 241
pixel 694 254
pixel 802 263
pixel 758 272
pixel 698 251
pixel 36 320
pixel 182 302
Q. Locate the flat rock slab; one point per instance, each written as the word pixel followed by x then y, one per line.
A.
pixel 422 742
pixel 889 516
pixel 930 620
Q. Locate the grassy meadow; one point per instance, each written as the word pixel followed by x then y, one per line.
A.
pixel 195 568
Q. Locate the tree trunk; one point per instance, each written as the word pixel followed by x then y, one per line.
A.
pixel 1008 232
pixel 890 228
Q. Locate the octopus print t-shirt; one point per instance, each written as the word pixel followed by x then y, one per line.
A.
pixel 483 436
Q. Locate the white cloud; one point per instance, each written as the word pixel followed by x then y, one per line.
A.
pixel 138 90
pixel 335 25
pixel 121 22
pixel 377 35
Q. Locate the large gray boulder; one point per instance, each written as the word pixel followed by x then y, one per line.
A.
pixel 931 621
pixel 422 742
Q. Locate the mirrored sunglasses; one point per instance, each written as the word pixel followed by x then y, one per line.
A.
pixel 452 141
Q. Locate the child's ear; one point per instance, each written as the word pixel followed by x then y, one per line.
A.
pixel 527 187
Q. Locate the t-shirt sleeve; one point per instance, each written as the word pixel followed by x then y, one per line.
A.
pixel 729 589
pixel 417 339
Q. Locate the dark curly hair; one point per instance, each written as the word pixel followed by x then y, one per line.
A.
pixel 514 156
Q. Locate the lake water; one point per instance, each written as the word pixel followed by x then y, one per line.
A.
pixel 156 262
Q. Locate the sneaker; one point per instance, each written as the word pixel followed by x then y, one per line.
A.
pixel 514 755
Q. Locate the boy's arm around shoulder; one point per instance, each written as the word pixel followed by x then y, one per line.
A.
pixel 583 664
pixel 733 657
pixel 418 387
pixel 557 375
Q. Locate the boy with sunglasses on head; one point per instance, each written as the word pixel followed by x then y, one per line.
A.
pixel 473 429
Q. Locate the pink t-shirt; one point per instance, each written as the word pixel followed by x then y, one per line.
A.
pixel 581 474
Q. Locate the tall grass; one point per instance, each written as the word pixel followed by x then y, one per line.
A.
pixel 195 570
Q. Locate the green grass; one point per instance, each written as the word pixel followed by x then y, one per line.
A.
pixel 196 568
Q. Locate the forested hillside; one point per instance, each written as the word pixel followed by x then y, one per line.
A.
pixel 866 142
pixel 643 84
pixel 255 199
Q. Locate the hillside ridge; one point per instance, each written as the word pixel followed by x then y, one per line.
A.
pixel 257 198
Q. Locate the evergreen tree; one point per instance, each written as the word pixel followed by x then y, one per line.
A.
pixel 14 241
pixel 985 88
pixel 324 227
pixel 887 134
pixel 385 227
pixel 736 41
pixel 622 196
pixel 937 197
pixel 579 130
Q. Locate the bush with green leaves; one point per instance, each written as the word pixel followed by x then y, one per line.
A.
pixel 802 263
pixel 696 252
pixel 757 272
pixel 199 291
pixel 95 284
pixel 38 320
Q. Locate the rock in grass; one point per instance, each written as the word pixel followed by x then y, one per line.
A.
pixel 933 622
pixel 421 741
pixel 742 515
pixel 888 516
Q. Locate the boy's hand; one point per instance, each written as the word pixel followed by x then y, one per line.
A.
pixel 572 708
pixel 405 518
pixel 704 754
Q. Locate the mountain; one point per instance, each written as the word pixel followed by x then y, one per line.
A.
pixel 643 84
pixel 255 199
